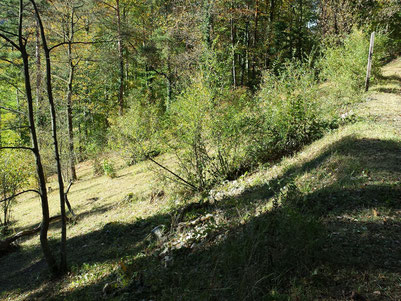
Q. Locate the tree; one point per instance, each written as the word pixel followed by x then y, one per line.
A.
pixel 21 46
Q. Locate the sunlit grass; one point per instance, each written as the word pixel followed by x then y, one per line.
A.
pixel 347 181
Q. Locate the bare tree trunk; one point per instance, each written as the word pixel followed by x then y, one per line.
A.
pixel 69 100
pixel 35 148
pixel 300 30
pixel 63 253
pixel 234 73
pixel 121 59
pixel 69 121
pixel 39 98
pixel 0 127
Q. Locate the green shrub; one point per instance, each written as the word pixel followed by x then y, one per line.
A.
pixel 289 115
pixel 108 169
pixel 207 133
pixel 137 134
pixel 15 174
pixel 344 66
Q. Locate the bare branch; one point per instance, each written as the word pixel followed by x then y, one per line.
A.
pixel 8 61
pixel 174 174
pixel 79 42
pixel 15 195
pixel 69 186
pixel 9 33
pixel 66 199
pixel 17 147
pixel 12 110
pixel 9 41
pixel 15 128
pixel 109 5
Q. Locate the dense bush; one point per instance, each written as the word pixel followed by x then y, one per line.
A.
pixel 218 138
pixel 288 112
pixel 137 134
pixel 15 173
pixel 344 66
pixel 207 134
pixel 217 132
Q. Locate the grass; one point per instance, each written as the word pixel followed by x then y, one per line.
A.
pixel 334 229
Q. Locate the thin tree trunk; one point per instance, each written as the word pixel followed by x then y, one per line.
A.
pixel 121 59
pixel 255 39
pixel 247 48
pixel 69 100
pixel 35 148
pixel 300 31
pixel 234 73
pixel 0 127
pixel 63 253
pixel 39 98
pixel 69 119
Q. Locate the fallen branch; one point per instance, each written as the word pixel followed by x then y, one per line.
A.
pixel 6 245
pixel 174 174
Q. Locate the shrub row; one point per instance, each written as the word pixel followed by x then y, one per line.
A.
pixel 218 134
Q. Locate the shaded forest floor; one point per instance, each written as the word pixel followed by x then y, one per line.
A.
pixel 321 225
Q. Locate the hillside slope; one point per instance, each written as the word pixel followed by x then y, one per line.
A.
pixel 333 234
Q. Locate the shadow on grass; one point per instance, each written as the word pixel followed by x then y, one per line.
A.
pixel 393 77
pixel 388 90
pixel 297 248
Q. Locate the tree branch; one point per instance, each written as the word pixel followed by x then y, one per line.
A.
pixel 109 5
pixel 79 42
pixel 66 199
pixel 9 41
pixel 10 62
pixel 9 32
pixel 69 186
pixel 22 192
pixel 15 128
pixel 12 110
pixel 16 147
pixel 174 174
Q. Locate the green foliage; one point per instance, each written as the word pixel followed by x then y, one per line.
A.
pixel 344 66
pixel 206 134
pixel 137 134
pixel 108 169
pixel 219 135
pixel 15 173
pixel 288 116
pixel 104 167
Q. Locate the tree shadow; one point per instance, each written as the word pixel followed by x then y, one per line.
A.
pixel 310 233
pixel 394 78
pixel 388 90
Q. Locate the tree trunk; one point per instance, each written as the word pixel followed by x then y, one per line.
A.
pixel 39 98
pixel 35 148
pixel 121 59
pixel 300 30
pixel 234 72
pixel 63 253
pixel 0 127
pixel 71 66
pixel 69 119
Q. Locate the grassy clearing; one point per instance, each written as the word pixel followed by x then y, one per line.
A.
pixel 335 228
